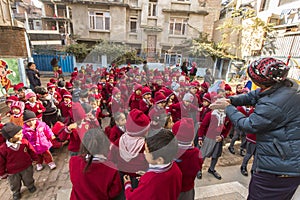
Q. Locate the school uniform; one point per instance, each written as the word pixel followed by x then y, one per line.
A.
pixel 157 183
pixel 100 181
pixel 16 162
pixel 134 101
pixel 115 133
pixel 145 105
pixel 36 107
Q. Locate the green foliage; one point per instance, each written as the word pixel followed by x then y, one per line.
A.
pixel 128 57
pixel 80 51
pixel 255 33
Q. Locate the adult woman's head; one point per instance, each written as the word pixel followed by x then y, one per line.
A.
pixel 267 71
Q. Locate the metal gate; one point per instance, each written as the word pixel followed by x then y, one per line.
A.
pixel 66 61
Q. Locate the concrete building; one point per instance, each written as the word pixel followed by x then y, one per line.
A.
pixel 284 14
pixel 47 22
pixel 12 33
pixel 152 27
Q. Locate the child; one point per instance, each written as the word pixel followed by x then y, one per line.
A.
pixel 16 157
pixel 39 135
pixel 128 150
pixel 66 109
pixel 146 102
pixel 8 102
pixel 212 131
pixel 91 164
pixel 135 97
pixel 189 158
pixel 117 130
pixel 163 174
pixel 50 116
pixel 33 104
pixel 60 73
pixel 17 109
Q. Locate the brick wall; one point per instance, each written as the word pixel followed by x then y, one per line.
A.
pixel 213 7
pixel 12 42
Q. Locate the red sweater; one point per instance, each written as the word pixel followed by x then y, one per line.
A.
pixel 13 161
pixel 145 106
pixel 37 106
pixel 115 134
pixel 157 185
pixel 136 164
pixel 134 101
pixel 101 181
pixel 190 162
pixel 209 127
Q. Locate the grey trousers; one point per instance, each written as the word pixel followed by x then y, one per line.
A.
pixel 189 195
pixel 15 180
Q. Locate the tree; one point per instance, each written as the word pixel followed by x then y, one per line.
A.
pixel 80 51
pixel 256 36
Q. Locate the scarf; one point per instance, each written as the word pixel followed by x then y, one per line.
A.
pixel 220 115
pixel 130 146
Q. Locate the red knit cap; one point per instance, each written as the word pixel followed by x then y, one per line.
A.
pixel 116 91
pixel 29 93
pixel 18 86
pixel 11 99
pixel 137 123
pixel 205 85
pixel 227 87
pixel 184 130
pixel 18 104
pixel 78 111
pixel 69 85
pixel 67 95
pixel 146 90
pixel 52 80
pixel 207 97
pixel 137 87
pixel 50 85
pixel 159 97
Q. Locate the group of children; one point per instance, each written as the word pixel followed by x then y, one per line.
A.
pixel 159 120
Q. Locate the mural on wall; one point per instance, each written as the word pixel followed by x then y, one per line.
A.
pixel 9 75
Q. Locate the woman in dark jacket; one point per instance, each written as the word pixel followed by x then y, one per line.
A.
pixel 33 75
pixel 276 123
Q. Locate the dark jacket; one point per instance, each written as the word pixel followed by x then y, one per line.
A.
pixel 34 78
pixel 276 123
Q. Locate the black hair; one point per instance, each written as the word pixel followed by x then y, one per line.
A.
pixel 94 142
pixel 86 107
pixel 29 64
pixel 40 90
pixel 84 93
pixel 163 144
pixel 76 83
pixel 61 83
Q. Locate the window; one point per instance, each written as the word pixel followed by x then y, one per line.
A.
pixel 265 5
pixel 178 26
pixel 99 20
pixel 133 24
pixel 152 10
pixel 282 2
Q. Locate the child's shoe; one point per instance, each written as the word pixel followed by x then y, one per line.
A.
pixel 17 196
pixel 32 189
pixel 39 167
pixel 52 165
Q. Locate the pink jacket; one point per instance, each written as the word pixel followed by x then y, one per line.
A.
pixel 40 138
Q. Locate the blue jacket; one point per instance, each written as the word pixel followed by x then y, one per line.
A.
pixel 276 123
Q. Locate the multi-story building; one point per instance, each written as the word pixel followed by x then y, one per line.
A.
pixel 284 14
pixel 152 27
pixel 47 22
pixel 13 36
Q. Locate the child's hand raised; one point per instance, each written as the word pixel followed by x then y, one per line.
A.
pixel 126 178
